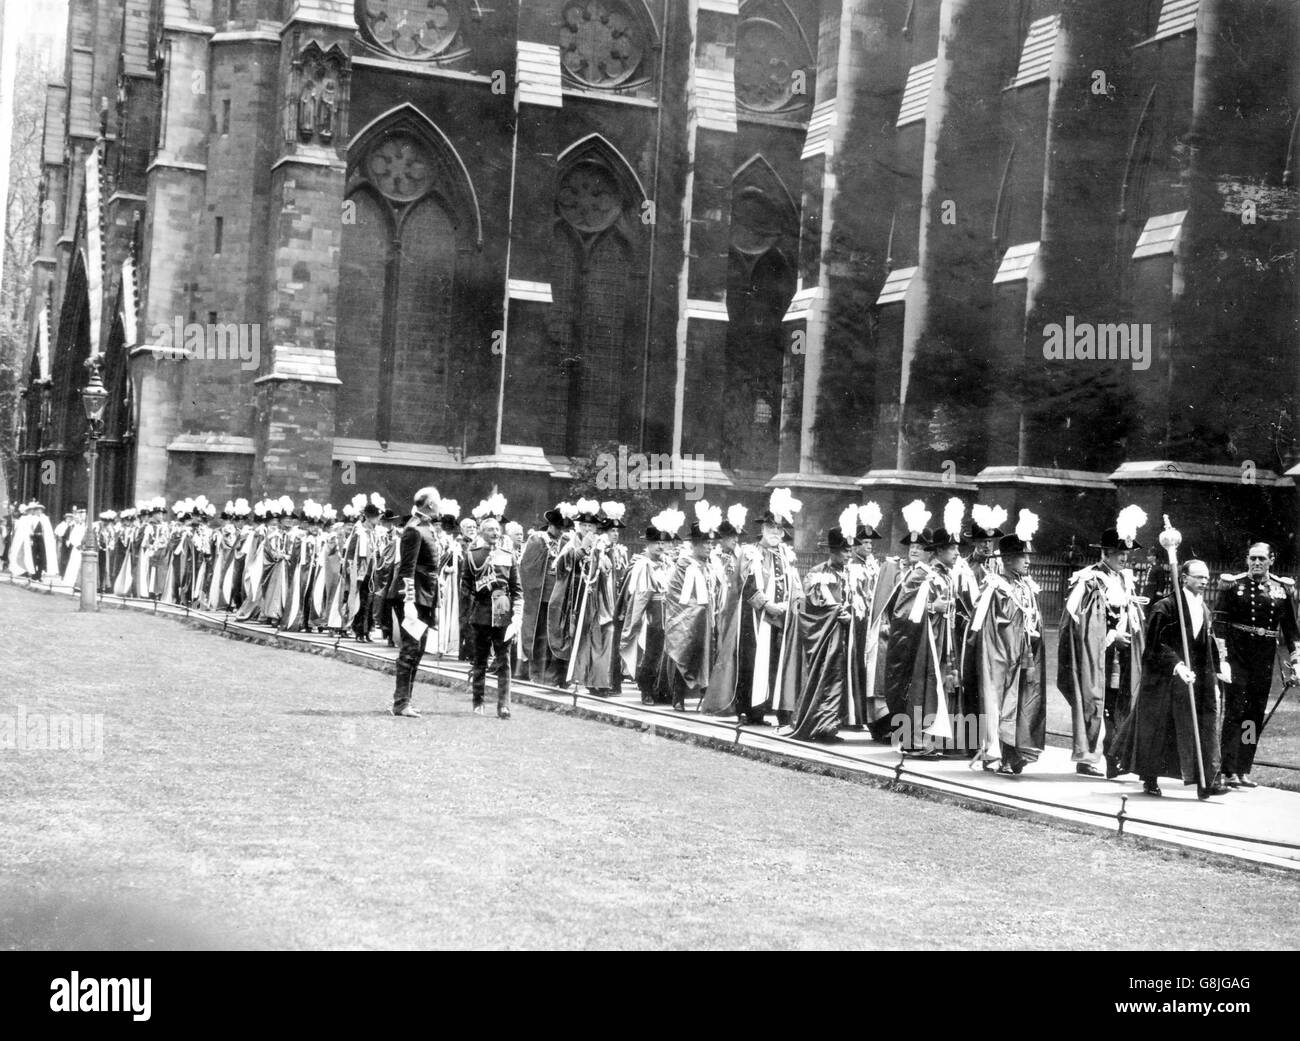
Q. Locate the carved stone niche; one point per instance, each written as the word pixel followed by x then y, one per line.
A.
pixel 416 30
pixel 317 98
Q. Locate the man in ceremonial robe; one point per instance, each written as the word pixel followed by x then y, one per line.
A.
pixel 32 551
pixel 611 527
pixel 254 560
pixel 690 619
pixel 384 607
pixel 591 664
pixel 450 596
pixel 1099 662
pixel 921 658
pixel 1010 667
pixel 571 593
pixel 769 658
pixel 537 577
pixel 360 558
pixel 831 622
pixel 641 606
pixel 878 580
pixel 720 699
pixel 1159 737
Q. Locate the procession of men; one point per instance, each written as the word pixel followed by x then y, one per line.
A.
pixel 937 652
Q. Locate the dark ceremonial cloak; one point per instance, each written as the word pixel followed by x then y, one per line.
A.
pixel 1157 739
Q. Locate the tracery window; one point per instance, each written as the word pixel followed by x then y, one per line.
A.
pixel 605 43
pixel 774 68
pixel 407 235
pixel 595 294
pixel 417 30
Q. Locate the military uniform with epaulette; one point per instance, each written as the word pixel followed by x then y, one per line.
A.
pixel 494 601
pixel 1257 619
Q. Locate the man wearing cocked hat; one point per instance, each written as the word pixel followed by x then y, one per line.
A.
pixel 1099 662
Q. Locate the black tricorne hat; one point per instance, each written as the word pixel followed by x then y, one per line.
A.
pixel 941 538
pixel 554 518
pixel 1110 542
pixel 917 538
pixel 1009 545
pixel 978 534
pixel 699 536
pixel 835 540
pixel 865 534
pixel 768 517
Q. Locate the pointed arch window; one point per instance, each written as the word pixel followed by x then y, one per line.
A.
pixel 761 284
pixel 415 30
pixel 410 231
pixel 597 287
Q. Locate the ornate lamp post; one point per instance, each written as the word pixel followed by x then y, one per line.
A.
pixel 94 397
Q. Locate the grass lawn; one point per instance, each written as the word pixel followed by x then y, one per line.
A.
pixel 254 797
pixel 1279 744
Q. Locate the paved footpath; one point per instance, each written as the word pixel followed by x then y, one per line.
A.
pixel 1261 826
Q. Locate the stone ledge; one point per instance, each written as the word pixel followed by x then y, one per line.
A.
pixel 219 444
pixel 1203 473
pixel 821 482
pixel 913 479
pixel 527 458
pixel 398 453
pixel 1043 475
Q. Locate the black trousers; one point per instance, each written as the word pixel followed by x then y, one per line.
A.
pixel 1245 705
pixel 490 639
pixel 361 623
pixel 384 609
pixel 408 658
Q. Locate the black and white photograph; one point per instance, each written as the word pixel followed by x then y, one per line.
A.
pixel 651 475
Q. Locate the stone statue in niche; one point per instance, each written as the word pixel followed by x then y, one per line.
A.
pixel 326 103
pixel 307 112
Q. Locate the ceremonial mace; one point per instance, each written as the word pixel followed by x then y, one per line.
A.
pixel 1171 538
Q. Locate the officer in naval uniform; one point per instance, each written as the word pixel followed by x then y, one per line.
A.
pixel 1257 617
pixel 495 600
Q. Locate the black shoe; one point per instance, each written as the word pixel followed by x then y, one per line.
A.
pixel 1151 787
pixel 1087 770
pixel 679 706
pixel 503 712
pixel 1112 769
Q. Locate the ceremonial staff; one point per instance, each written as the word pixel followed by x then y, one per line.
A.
pixel 1171 538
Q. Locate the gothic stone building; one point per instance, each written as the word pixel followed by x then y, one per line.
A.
pixel 815 243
